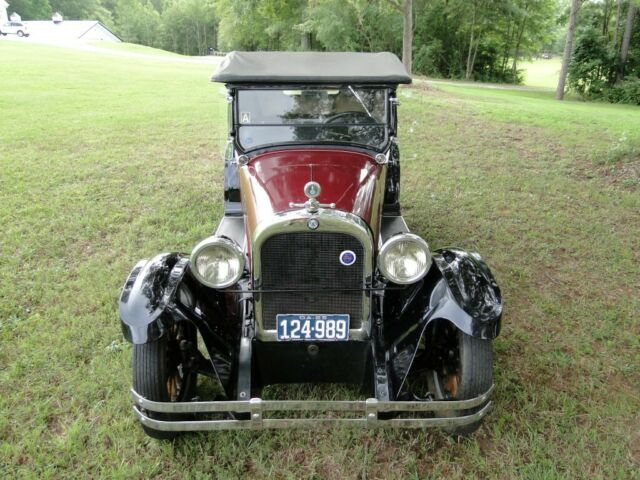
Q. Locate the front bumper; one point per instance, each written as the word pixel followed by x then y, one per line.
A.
pixel 366 410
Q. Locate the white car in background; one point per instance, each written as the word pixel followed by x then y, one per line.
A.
pixel 15 28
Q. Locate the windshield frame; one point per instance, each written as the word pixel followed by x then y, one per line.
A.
pixel 234 115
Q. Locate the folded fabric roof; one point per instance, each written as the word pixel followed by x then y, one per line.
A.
pixel 311 67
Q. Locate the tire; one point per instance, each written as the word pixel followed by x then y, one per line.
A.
pixel 465 374
pixel 157 376
pixel 20 33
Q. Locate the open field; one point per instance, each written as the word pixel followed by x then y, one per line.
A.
pixel 542 72
pixel 134 48
pixel 106 160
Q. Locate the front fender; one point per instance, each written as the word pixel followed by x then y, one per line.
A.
pixel 473 291
pixel 459 288
pixel 149 289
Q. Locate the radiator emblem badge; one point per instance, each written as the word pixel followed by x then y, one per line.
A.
pixel 347 258
pixel 312 189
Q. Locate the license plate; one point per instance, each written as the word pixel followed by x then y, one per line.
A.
pixel 303 326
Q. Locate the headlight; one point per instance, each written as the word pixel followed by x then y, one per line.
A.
pixel 404 258
pixel 217 262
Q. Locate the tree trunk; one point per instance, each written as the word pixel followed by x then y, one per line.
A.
pixel 626 40
pixel 516 53
pixel 406 8
pixel 475 51
pixel 507 45
pixel 617 34
pixel 407 34
pixel 568 47
pixel 306 41
pixel 467 74
pixel 606 15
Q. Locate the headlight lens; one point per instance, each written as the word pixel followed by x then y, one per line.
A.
pixel 404 258
pixel 217 262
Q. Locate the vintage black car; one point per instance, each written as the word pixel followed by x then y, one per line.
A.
pixel 312 274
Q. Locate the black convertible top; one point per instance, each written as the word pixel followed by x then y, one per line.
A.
pixel 311 67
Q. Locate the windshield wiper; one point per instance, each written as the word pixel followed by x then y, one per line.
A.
pixel 355 94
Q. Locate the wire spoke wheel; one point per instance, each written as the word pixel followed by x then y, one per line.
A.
pixel 461 367
pixel 161 374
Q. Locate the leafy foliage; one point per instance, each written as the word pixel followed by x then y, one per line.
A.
pixel 472 39
pixel 31 9
pixel 478 39
pixel 597 70
pixel 593 65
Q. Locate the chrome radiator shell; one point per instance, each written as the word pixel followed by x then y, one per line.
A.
pixel 330 221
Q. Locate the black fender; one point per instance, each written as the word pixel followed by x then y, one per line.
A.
pixel 459 288
pixel 147 294
pixel 162 291
pixel 472 300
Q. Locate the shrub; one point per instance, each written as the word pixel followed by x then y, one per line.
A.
pixel 627 91
pixel 426 60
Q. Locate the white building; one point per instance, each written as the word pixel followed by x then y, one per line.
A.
pixel 70 30
pixel 58 30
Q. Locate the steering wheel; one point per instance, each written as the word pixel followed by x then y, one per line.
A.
pixel 350 117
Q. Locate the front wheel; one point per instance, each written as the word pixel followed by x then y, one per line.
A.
pixel 160 374
pixel 462 369
pixel 20 33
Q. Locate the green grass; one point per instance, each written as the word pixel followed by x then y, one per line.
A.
pixel 134 48
pixel 541 72
pixel 107 160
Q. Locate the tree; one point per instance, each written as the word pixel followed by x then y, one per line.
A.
pixel 568 47
pixel 31 9
pixel 76 9
pixel 474 38
pixel 406 8
pixel 356 25
pixel 616 38
pixel 190 26
pixel 261 24
pixel 137 22
pixel 626 39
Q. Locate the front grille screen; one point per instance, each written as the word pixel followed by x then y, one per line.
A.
pixel 309 262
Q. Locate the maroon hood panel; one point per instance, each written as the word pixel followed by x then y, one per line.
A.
pixel 274 179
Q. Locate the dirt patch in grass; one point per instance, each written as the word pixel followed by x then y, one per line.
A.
pixel 624 174
pixel 618 165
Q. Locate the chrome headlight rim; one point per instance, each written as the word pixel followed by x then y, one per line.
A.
pixel 391 242
pixel 231 246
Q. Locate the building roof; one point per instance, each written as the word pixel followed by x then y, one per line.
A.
pixel 64 31
pixel 311 67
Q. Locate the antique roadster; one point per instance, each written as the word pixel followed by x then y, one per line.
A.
pixel 312 274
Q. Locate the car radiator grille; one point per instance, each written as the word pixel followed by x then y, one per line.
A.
pixel 309 262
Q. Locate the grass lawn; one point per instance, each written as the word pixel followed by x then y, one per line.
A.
pixel 106 160
pixel 134 48
pixel 541 72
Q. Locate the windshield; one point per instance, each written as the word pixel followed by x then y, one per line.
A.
pixel 312 115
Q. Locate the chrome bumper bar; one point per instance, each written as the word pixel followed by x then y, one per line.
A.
pixel 257 407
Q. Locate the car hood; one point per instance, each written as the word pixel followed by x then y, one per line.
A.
pixel 352 180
